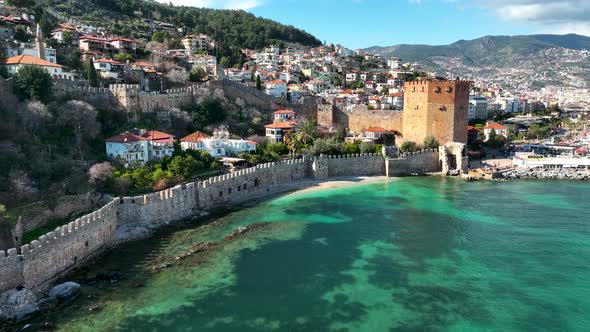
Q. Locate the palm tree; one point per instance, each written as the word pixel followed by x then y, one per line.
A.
pixel 307 133
pixel 290 140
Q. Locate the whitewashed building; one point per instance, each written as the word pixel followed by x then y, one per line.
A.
pixel 218 145
pixel 140 146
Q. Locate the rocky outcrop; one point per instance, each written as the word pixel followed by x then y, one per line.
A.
pixel 552 174
pixel 16 303
pixel 243 230
pixel 65 292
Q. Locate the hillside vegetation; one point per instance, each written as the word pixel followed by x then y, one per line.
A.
pixel 230 28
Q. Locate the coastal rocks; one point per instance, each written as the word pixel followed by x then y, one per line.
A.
pixel 66 291
pixel 243 230
pixel 162 266
pixel 199 247
pixel 27 313
pixel 236 233
pixel 14 301
pixel 550 174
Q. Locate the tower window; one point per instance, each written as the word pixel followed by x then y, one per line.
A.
pixel 449 89
pixel 437 89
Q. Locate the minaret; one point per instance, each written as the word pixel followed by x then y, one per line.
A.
pixel 39 41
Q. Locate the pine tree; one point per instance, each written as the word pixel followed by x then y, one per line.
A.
pixel 91 74
pixel 258 83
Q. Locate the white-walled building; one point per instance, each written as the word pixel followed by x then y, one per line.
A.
pixel 478 108
pixel 15 63
pixel 497 128
pixel 108 68
pixel 276 88
pixel 283 116
pixel 140 146
pixel 375 133
pixel 218 145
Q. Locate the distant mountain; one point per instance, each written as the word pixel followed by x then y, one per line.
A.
pixel 488 50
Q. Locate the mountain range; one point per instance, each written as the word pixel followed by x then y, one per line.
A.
pixel 488 50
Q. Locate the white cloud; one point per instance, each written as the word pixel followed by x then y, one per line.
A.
pixel 565 28
pixel 551 16
pixel 219 4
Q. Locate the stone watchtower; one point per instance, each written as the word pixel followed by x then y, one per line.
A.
pixel 436 108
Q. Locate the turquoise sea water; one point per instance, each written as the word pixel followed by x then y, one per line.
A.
pixel 413 254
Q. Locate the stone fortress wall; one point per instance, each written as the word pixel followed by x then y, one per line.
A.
pixel 51 255
pixel 131 98
pixel 421 162
pixel 431 108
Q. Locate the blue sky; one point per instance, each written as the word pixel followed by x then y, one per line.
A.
pixel 364 23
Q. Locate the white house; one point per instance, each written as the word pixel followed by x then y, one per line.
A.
pixel 109 68
pixel 375 133
pixel 396 100
pixel 283 116
pixel 15 63
pixel 220 145
pixel 276 88
pixel 277 131
pixel 497 128
pixel 140 146
pixel 60 33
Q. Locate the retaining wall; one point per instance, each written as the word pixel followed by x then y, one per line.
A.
pixel 421 162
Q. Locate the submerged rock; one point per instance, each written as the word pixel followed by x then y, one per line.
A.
pixel 65 291
pixel 47 304
pixel 162 266
pixel 243 230
pixel 27 313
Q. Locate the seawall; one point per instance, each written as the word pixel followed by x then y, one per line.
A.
pixel 55 253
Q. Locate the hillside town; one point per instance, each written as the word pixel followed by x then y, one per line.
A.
pixel 349 82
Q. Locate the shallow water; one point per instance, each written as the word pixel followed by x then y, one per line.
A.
pixel 424 254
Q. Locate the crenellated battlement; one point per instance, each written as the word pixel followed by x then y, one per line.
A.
pixel 125 87
pixel 415 153
pixel 435 81
pixel 353 156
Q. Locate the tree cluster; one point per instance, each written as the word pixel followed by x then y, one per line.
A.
pixel 183 166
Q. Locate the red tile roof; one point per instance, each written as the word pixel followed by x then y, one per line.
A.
pixel 495 126
pixel 113 62
pixel 376 130
pixel 14 19
pixel 284 112
pixel 123 39
pixel 155 135
pixel 195 137
pixel 471 128
pixel 26 59
pixel 67 26
pixel 152 135
pixel 124 138
pixel 281 125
